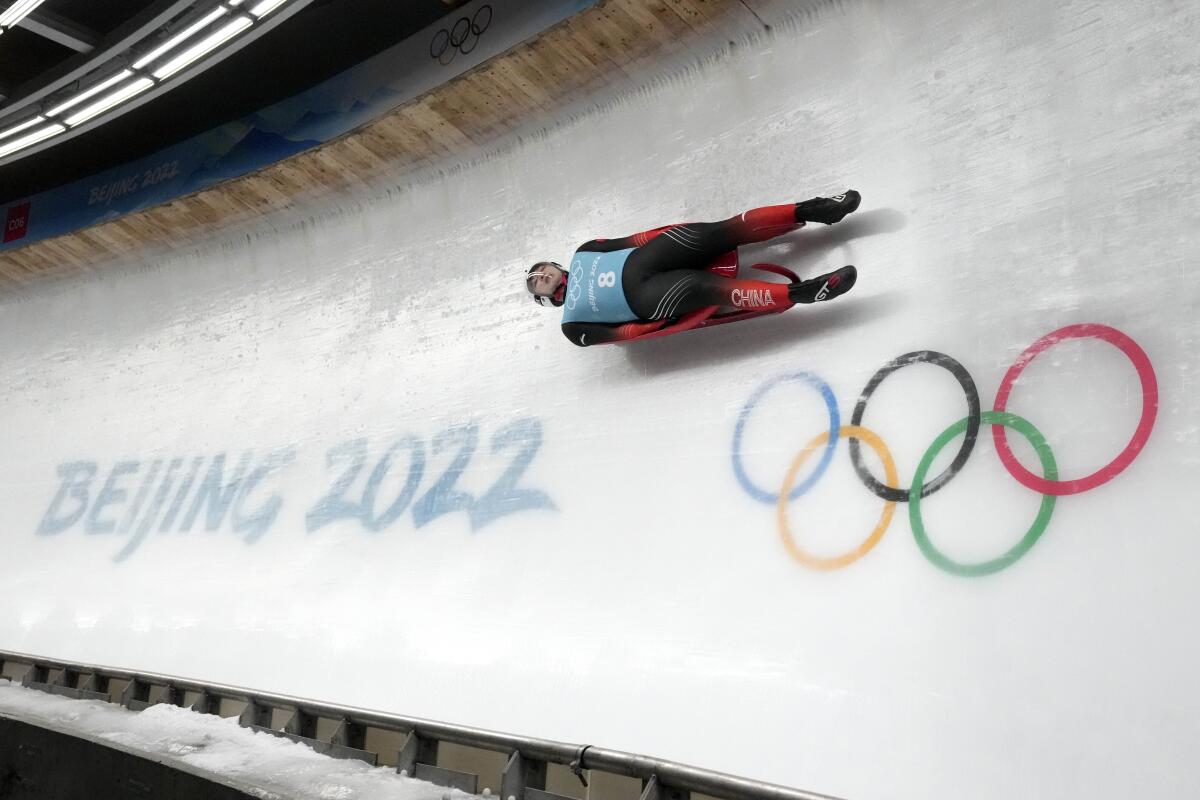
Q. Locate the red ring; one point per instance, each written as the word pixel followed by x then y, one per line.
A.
pixel 1145 371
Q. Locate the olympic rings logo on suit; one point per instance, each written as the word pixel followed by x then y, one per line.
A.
pixel 449 42
pixel 1000 420
pixel 574 285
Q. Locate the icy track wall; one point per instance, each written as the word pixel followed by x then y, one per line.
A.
pixel 342 455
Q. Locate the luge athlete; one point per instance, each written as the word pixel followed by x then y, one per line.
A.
pixel 619 289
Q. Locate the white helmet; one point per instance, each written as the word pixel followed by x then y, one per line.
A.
pixel 556 298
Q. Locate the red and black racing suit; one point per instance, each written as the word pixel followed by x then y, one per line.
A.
pixel 667 274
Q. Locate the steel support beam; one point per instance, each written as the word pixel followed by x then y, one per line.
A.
pixel 61 31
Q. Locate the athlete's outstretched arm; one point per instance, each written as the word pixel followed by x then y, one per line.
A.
pixel 589 333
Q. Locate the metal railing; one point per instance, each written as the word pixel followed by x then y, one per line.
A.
pixel 524 776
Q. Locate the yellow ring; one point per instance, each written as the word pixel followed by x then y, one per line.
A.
pixel 889 508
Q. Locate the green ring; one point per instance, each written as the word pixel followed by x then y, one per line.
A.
pixel 1049 470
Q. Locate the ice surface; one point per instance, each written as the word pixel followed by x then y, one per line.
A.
pixel 1025 167
pixel 276 768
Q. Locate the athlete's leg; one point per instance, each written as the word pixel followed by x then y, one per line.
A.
pixel 674 293
pixel 761 224
pixel 667 276
pixel 696 245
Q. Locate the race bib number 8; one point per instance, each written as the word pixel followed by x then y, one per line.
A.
pixel 606 280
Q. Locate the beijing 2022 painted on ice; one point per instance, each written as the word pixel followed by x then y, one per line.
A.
pixel 131 499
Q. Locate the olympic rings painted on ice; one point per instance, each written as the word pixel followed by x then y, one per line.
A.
pixel 889 470
pixel 1145 371
pixel 968 386
pixel 1000 419
pixel 835 423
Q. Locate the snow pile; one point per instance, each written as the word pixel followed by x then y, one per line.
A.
pixel 277 767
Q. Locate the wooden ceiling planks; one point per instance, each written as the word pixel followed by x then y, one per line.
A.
pixel 582 54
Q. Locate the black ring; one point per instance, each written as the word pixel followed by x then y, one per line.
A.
pixel 434 42
pixel 973 419
pixel 435 50
pixel 476 28
pixel 457 39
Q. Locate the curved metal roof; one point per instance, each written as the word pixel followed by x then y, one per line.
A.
pixel 64 62
pixel 156 50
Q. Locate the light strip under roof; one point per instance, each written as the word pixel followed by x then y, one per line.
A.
pixel 266 7
pixel 92 92
pixel 175 40
pixel 17 12
pixel 116 98
pixel 31 139
pixel 203 47
pixel 29 123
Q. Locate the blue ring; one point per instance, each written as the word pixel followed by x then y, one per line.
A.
pixel 835 424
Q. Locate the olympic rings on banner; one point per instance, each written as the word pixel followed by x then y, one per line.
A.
pixel 889 508
pixel 1048 484
pixel 1049 469
pixel 835 422
pixel 968 386
pixel 449 42
pixel 1145 371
